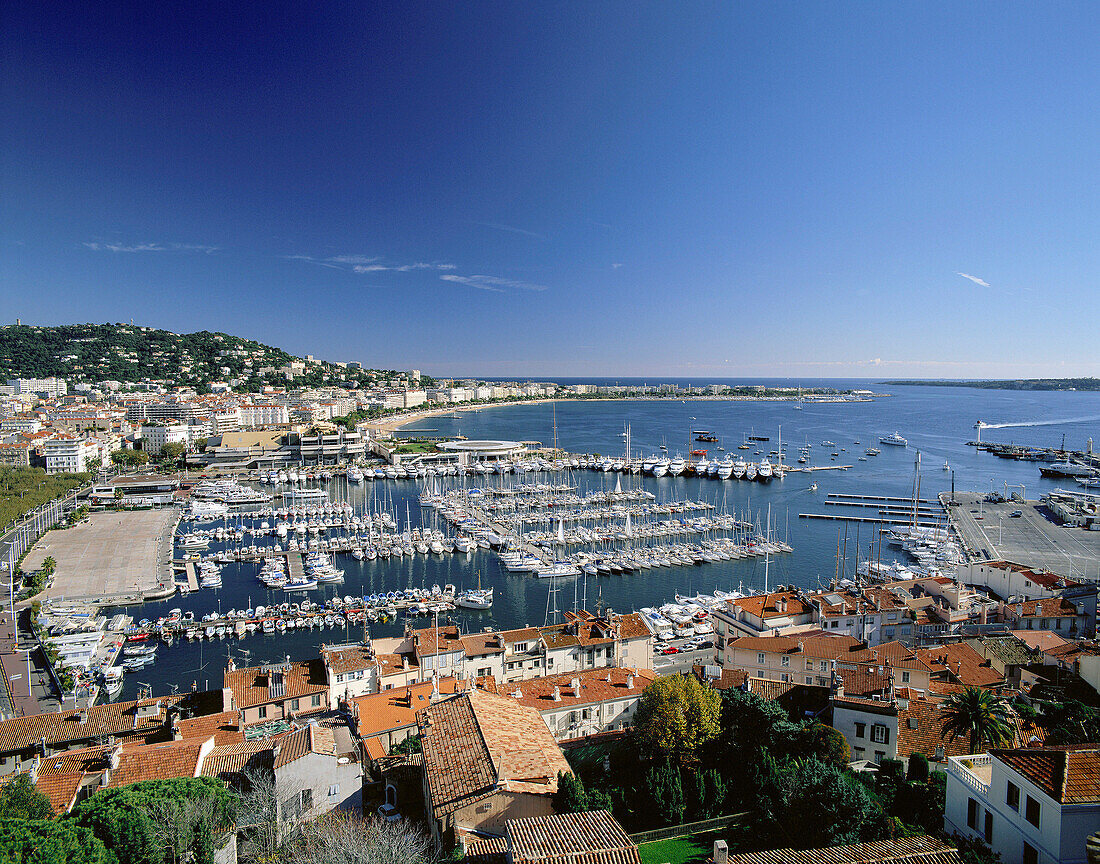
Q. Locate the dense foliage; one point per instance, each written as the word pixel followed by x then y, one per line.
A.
pixel 47 841
pixel 980 714
pixel 22 489
pixel 676 716
pixel 1070 722
pixel 159 820
pixel 20 799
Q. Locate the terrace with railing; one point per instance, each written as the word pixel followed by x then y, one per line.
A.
pixel 974 771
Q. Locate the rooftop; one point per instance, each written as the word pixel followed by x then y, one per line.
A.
pixel 1068 775
pixel 910 850
pixel 570 838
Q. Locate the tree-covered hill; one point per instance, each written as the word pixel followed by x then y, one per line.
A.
pixel 1017 384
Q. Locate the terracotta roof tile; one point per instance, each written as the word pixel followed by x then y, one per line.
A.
pixel 1068 775
pixel 229 760
pixel 348 659
pixel 958 663
pixel 262 685
pixel 397 707
pixel 538 693
pixel 570 838
pixel 910 850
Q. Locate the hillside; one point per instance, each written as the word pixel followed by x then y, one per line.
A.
pixel 1090 384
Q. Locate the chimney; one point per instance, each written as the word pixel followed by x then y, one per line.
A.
pixel 405 663
pixel 230 666
pixel 557 693
pixel 629 682
pixel 114 756
pixel 781 604
pixel 721 852
pixel 177 735
pixel 575 685
pixel 1019 610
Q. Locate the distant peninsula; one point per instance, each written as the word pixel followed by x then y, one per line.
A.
pixel 1067 384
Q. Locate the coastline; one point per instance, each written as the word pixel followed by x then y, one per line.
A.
pixel 398 422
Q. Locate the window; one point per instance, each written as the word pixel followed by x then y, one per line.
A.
pixel 262 713
pixel 339 679
pixel 1012 796
pixel 861 730
pixel 893 616
pixel 823 666
pixel 880 734
pixel 307 800
pixel 519 646
pixel 988 827
pixel 786 660
pixel 859 752
pixel 1031 854
pixel 835 624
pixel 971 813
pixel 904 677
pixel 484 671
pixel 848 623
pixel 809 665
pixel 759 673
pixel 821 682
pixel 879 756
pixel 315 700
pixel 784 677
pixel 293 704
pixel 760 657
pixel 809 679
pixel 333 791
pixel 1031 813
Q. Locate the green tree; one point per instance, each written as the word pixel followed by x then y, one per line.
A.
pixel 676 716
pixel 814 804
pixel 825 743
pixel 707 793
pixel 981 714
pixel 21 799
pixel 172 451
pixel 571 796
pixel 1070 722
pixel 144 823
pixel 666 792
pixel 918 767
pixel 49 566
pixel 129 458
pixel 50 841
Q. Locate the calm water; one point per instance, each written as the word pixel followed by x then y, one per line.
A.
pixel 936 420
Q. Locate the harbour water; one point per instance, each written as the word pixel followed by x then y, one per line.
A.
pixel 937 421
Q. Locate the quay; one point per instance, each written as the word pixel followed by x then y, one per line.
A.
pixel 989 531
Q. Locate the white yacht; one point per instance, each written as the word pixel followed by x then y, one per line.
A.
pixel 895 439
pixel 676 466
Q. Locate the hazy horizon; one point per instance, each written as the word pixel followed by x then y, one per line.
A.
pixel 565 190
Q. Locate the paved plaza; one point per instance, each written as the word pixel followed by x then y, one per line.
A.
pixel 111 554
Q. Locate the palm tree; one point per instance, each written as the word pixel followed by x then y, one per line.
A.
pixel 49 565
pixel 984 715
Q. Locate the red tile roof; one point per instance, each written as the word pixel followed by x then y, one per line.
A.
pixel 570 838
pixel 538 693
pixel 959 663
pixel 910 850
pixel 1068 775
pixel 259 685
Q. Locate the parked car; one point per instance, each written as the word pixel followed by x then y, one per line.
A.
pixel 669 649
pixel 1016 514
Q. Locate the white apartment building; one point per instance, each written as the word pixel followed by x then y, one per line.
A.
pixel 1032 806
pixel 1006 579
pixel 69 454
pixel 49 386
pixel 20 423
pixel 263 415
pixel 153 438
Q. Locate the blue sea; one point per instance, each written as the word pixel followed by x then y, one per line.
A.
pixel 937 421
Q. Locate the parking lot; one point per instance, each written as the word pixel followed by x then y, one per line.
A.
pixel 1034 537
pixel 680 660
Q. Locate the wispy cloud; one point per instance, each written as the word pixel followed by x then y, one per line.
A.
pixel 400 268
pixel 616 265
pixel 367 264
pixel 974 279
pixel 492 283
pixel 512 229
pixel 150 247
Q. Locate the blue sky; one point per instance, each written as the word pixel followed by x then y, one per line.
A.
pixel 524 189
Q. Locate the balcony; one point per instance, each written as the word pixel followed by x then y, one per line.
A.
pixel 974 771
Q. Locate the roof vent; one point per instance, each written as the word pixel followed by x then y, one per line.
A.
pixel 517 693
pixel 912 722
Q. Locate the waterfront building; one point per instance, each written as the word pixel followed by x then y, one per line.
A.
pixel 1031 806
pixel 69 453
pixel 278 691
pixel 585 703
pixel 383 720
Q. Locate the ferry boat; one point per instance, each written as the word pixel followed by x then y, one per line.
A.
pixel 895 440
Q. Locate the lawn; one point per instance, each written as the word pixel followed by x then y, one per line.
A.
pixel 682 850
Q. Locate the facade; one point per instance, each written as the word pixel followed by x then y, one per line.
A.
pixel 1032 806
pixel 68 454
pixel 263 415
pixel 155 436
pixel 1007 579
pixel 314 774
pixel 53 387
pixel 278 691
pixel 585 703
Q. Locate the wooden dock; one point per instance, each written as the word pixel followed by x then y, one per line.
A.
pixel 882 520
pixel 192 579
